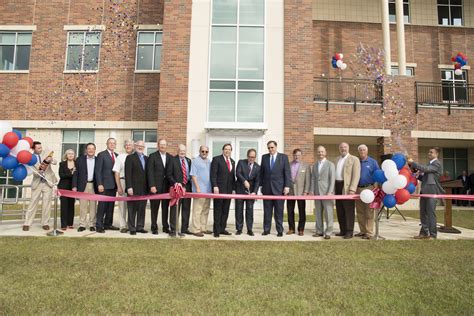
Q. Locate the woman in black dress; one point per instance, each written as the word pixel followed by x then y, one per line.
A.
pixel 67 168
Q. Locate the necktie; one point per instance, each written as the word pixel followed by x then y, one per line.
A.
pixel 183 170
pixel 228 163
pixel 272 162
pixel 142 160
pixel 113 157
pixel 250 169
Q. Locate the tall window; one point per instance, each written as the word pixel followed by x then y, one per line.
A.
pixel 454 86
pixel 150 138
pixel 450 12
pixel 455 161
pixel 392 11
pixel 77 141
pixel 237 61
pixel 149 51
pixel 410 71
pixel 83 51
pixel 15 50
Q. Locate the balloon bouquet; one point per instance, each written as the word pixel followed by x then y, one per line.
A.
pixel 337 61
pixel 15 152
pixel 397 182
pixel 460 61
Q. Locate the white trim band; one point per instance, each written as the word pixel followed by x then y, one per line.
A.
pixel 115 125
pixel 17 27
pixel 84 27
pixel 373 132
pixel 443 135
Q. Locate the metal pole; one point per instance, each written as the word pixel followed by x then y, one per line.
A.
pixel 377 223
pixel 55 231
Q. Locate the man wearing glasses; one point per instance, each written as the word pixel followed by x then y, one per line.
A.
pixel 275 175
pixel 248 181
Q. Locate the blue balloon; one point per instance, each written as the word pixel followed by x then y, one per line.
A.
pixel 20 173
pixel 4 150
pixel 399 160
pixel 9 162
pixel 379 176
pixel 33 160
pixel 459 59
pixel 389 201
pixel 18 133
pixel 334 63
pixel 463 63
pixel 411 188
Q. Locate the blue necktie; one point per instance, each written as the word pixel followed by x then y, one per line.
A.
pixel 142 160
pixel 272 162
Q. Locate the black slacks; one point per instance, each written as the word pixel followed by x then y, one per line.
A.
pixel 221 214
pixel 290 205
pixel 345 210
pixel 239 214
pixel 136 215
pixel 185 206
pixel 105 211
pixel 155 206
pixel 67 211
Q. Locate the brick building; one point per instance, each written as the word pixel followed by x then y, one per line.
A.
pixel 241 71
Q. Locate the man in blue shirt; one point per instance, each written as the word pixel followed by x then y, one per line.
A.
pixel 200 175
pixel 365 214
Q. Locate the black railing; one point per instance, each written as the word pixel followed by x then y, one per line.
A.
pixel 444 94
pixel 350 91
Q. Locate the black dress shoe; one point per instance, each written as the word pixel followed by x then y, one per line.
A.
pixel 154 231
pixel 340 234
pixel 265 233
pixel 225 232
pixel 81 229
pixel 172 234
pixel 113 228
pixel 92 229
pixel 100 230
pixel 250 233
pixel 142 231
pixel 133 232
pixel 216 235
pixel 187 232
pixel 347 236
pixel 239 232
pixel 123 230
pixel 280 235
pixel 166 230
pixel 181 234
pixel 327 237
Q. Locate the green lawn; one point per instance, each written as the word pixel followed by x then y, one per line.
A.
pixel 97 276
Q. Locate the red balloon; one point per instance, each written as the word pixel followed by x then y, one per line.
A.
pixel 407 174
pixel 402 195
pixel 414 180
pixel 10 139
pixel 457 66
pixel 24 156
pixel 29 140
pixel 453 59
pixel 338 56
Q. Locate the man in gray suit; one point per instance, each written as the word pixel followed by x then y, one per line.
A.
pixel 429 176
pixel 323 178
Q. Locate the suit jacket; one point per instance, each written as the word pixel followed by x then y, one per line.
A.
pixel 48 174
pixel 302 181
pixel 273 181
pixel 243 174
pixel 322 183
pixel 350 173
pixel 221 177
pixel 174 174
pixel 65 176
pixel 430 179
pixel 156 172
pixel 135 175
pixel 79 178
pixel 103 170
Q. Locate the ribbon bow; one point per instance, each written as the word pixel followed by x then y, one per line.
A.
pixel 176 192
pixel 379 195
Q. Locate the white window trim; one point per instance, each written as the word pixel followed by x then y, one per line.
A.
pixel 89 28
pixel 31 28
pixel 147 71
pixel 448 66
pixel 16 31
pixel 71 71
pixel 148 27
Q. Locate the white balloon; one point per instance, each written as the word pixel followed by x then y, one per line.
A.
pixel 341 55
pixel 22 145
pixel 339 63
pixel 399 182
pixel 388 164
pixel 388 187
pixel 5 127
pixel 367 196
pixel 391 173
pixel 458 72
pixel 343 66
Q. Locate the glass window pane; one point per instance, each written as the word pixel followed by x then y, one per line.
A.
pixel 222 84
pixel 67 146
pixel 86 136
pixel 76 38
pixel 24 39
pixel 93 38
pixel 22 57
pixel 159 38
pixel 7 38
pixel 224 11
pixel 461 153
pixel 137 135
pixel 157 57
pixel 252 12
pixel 82 150
pixel 150 137
pixel 145 57
pixel 448 153
pixel 406 13
pixel 217 147
pixel 250 107
pixel 221 106
pixel 6 57
pixel 70 136
pixel 456 2
pixel 250 85
pixel 443 15
pixel 448 165
pixel 150 150
pixel 74 58
pixel 251 53
pixel 446 75
pixel 461 164
pixel 246 145
pixel 91 57
pixel 223 52
pixel 456 16
pixel 146 38
pixel 391 12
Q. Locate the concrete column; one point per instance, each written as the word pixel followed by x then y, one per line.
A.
pixel 386 37
pixel 402 63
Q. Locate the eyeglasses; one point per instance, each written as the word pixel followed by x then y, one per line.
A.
pixel 204 151
pixel 271 147
pixel 251 157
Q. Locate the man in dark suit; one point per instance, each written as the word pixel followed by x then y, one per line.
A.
pixel 470 186
pixel 136 184
pixel 106 185
pixel 223 182
pixel 275 179
pixel 83 180
pixel 248 181
pixel 430 184
pixel 177 171
pixel 158 184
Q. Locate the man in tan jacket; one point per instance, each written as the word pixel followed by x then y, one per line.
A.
pixel 347 179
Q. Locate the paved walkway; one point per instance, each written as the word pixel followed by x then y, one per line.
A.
pixel 393 229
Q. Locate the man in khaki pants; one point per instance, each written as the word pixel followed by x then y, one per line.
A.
pixel 119 172
pixel 365 214
pixel 40 188
pixel 83 180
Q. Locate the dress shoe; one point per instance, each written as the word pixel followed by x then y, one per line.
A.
pixel 63 228
pixel 208 232
pixel 100 230
pixel 301 233
pixel 216 235
pixel 81 229
pixel 239 232
pixel 422 237
pixel 26 228
pixel 154 231
pixel 327 237
pixel 181 234
pixel 92 229
pixel 46 227
pixel 133 232
pixel 280 235
pixel 340 234
pixel 317 235
pixel 265 233
pixel 142 231
pixel 172 233
pixel 368 237
pixel 187 232
pixel 199 234
pixel 225 232
pixel 250 233
pixel 359 235
pixel 123 230
pixel 166 230
pixel 290 232
pixel 70 227
pixel 111 228
pixel 347 236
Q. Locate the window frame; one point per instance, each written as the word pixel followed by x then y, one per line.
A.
pixel 455 159
pixel 77 143
pixel 153 70
pixel 449 6
pixel 148 145
pixel 409 68
pixel 83 50
pixel 15 45
pixel 453 82
pixel 405 2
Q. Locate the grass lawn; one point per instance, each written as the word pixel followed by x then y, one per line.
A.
pixel 91 276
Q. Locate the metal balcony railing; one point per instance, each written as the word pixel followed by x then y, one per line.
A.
pixel 347 91
pixel 444 94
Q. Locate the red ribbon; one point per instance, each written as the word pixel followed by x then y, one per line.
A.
pixel 176 192
pixel 379 195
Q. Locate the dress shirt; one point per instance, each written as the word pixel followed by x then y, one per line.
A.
pixel 163 158
pixel 340 168
pixel 320 164
pixel 119 165
pixel 367 169
pixel 295 165
pixel 201 169
pixel 90 168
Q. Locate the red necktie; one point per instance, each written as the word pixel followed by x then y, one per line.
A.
pixel 228 163
pixel 183 170
pixel 113 157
